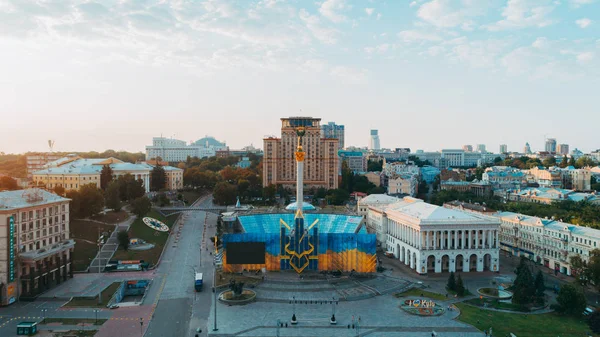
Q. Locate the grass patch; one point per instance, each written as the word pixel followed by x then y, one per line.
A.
pixel 224 279
pixel 139 230
pixel 191 196
pixel 452 292
pixel 112 217
pixel 496 304
pixel 74 321
pixel 414 292
pixel 88 230
pixel 88 302
pixel 83 253
pixel 522 325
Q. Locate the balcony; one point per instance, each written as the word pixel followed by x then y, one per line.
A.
pixel 47 251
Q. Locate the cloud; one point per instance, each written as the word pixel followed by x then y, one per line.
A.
pixel 585 57
pixel 540 43
pixel 413 4
pixel 379 49
pixel 525 13
pixel 417 36
pixel 369 11
pixel 578 3
pixel 314 25
pixel 478 54
pixel 583 23
pixel 443 14
pixel 331 10
pixel 349 75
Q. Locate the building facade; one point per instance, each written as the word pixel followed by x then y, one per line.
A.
pixel 36 162
pixel 332 130
pixel 433 239
pixel 374 140
pixel 357 162
pixel 74 172
pixel 503 148
pixel 403 184
pixel 467 148
pixel 550 145
pixel 321 164
pixel 562 149
pixel 174 150
pixel 34 241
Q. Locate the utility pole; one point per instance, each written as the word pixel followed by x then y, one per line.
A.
pixel 141 327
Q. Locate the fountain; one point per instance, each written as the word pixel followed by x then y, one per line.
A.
pixel 237 295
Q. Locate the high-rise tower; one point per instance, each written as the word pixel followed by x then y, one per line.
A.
pixel 374 143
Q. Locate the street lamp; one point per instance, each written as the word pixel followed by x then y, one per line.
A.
pixel 294 321
pixel 96 311
pixel 141 326
pixel 215 292
pixel 333 304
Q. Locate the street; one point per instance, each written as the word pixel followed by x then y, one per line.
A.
pixel 180 310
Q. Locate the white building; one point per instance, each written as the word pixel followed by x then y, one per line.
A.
pixel 546 241
pixel 34 241
pixel 174 150
pixel 374 140
pixel 362 206
pixel 430 238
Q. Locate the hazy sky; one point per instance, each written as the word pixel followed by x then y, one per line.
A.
pixel 427 74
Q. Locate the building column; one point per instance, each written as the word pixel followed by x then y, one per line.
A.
pixel 479 263
pixel 434 239
pixel 476 238
pixel 497 240
pixel 470 245
pixel 489 238
pixel 466 264
pixel 427 240
pixel 464 239
pixel 448 241
pixel 455 239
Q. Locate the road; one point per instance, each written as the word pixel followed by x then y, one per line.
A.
pixel 179 309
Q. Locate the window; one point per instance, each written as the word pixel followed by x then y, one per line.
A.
pixel 23 227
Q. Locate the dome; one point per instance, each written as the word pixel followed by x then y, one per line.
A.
pixel 208 142
pixel 305 207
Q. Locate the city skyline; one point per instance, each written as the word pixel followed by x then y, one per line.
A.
pixel 426 74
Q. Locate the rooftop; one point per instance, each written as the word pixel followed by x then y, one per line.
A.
pixel 27 198
pixel 551 224
pixel 425 213
pixel 375 199
pixel 327 223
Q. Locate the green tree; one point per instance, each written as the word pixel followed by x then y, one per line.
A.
pixel 135 189
pixel 347 177
pixel 572 161
pixel 86 202
pixel 564 162
pixel 113 201
pixel 579 269
pixel 451 285
pixel 593 268
pixel 376 190
pixel 8 183
pixel 337 196
pixel 58 189
pixel 141 206
pixel 523 287
pixel 374 165
pixel 571 300
pixel 268 193
pixel 123 238
pixel 584 162
pixel 224 193
pixel 460 287
pixel 106 176
pixel 594 321
pixel 158 178
pixel 549 161
pixel 540 287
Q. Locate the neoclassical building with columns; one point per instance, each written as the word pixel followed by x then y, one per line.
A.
pixel 434 239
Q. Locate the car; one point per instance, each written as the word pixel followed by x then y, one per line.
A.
pixel 114 306
pixel 588 311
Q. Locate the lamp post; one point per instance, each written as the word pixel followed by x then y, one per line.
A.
pixel 141 326
pixel 215 294
pixel 333 304
pixel 96 311
pixel 294 321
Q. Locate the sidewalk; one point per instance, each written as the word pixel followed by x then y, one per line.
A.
pixel 110 247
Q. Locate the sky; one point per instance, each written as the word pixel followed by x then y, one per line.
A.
pixel 428 74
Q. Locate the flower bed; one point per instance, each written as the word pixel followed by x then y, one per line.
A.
pixel 422 308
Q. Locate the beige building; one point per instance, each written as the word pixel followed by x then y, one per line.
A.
pixel 374 177
pixel 403 184
pixel 35 249
pixel 73 172
pixel 36 162
pixel 321 163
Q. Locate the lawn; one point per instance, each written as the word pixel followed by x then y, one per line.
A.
pixel 84 253
pixel 522 325
pixel 112 217
pixel 74 321
pixel 139 230
pixel 86 302
pixel 414 292
pixel 88 230
pixel 191 196
pixel 494 303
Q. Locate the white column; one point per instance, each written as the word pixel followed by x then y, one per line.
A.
pixel 427 240
pixel 489 239
pixel 497 241
pixel 448 235
pixel 477 239
pixel 470 245
pixel 434 239
pixel 463 240
pixel 456 239
pixel 299 185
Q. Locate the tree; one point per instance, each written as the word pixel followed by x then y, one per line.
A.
pixel 225 193
pixel 8 183
pixel 564 162
pixel 571 300
pixel 135 189
pixel 584 162
pixel 579 269
pixel 123 238
pixel 85 202
pixel 374 165
pixel 268 192
pixel 337 196
pixel 593 268
pixel 141 206
pixel 540 287
pixel 549 161
pixel 58 189
pixel 106 176
pixel 158 178
pixel 451 285
pixel 572 161
pixel 460 287
pixel 524 287
pixel 113 201
pixel 594 321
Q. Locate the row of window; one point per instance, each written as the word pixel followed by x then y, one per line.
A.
pixel 39 213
